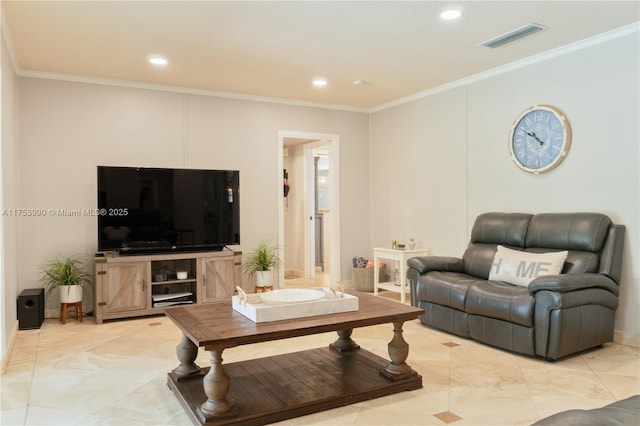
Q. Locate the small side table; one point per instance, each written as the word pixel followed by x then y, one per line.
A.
pixel 401 256
pixel 65 306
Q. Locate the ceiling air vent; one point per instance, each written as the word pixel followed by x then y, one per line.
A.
pixel 513 35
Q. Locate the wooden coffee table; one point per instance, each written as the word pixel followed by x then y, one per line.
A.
pixel 280 387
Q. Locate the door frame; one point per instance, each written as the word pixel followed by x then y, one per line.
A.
pixel 333 141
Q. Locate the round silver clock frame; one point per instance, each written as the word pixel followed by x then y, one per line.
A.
pixel 539 139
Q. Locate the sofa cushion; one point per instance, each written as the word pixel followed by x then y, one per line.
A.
pixel 568 231
pixel 520 268
pixel 577 262
pixel 478 258
pixel 501 228
pixel 444 288
pixel 489 230
pixel 496 299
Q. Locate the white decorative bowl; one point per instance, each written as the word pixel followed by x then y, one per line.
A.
pixel 292 295
pixel 182 275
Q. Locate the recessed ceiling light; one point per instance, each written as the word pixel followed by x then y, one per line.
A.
pixel 319 82
pixel 451 14
pixel 158 61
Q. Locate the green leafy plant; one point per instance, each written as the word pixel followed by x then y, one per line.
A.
pixel 263 257
pixel 71 270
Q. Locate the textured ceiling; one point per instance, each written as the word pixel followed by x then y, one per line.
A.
pixel 275 49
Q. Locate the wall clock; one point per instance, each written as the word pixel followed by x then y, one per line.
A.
pixel 539 139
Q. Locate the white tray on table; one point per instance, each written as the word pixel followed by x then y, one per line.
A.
pixel 257 310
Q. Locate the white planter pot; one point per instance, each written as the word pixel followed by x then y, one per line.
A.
pixel 263 278
pixel 70 293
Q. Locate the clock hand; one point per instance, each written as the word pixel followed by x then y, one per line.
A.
pixel 533 135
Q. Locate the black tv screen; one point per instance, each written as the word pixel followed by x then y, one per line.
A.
pixel 146 210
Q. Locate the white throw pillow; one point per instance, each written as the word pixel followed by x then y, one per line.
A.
pixel 520 267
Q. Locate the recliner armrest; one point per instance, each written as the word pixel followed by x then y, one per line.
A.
pixel 570 282
pixel 424 264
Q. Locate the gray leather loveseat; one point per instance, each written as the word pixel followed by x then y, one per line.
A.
pixel 504 291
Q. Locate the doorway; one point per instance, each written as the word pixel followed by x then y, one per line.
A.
pixel 312 206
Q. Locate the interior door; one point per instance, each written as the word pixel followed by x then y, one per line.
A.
pixel 331 222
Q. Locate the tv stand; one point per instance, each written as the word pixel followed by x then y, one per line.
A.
pixel 144 284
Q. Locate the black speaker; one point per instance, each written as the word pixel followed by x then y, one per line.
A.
pixel 31 308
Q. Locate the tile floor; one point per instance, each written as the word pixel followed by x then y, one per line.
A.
pixel 115 374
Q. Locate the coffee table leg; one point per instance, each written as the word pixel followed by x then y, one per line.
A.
pixel 398 348
pixel 216 385
pixel 187 353
pixel 344 342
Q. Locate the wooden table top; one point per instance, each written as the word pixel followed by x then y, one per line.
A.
pixel 219 325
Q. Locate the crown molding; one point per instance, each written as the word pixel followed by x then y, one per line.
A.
pixel 183 90
pixel 522 63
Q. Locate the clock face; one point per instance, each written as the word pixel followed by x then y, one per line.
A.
pixel 539 139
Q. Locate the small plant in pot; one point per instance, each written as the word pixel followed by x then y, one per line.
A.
pixel 69 275
pixel 261 261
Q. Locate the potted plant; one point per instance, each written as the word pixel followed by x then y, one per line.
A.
pixel 69 274
pixel 260 261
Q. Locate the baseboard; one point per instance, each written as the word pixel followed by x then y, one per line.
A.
pixel 10 344
pixel 626 339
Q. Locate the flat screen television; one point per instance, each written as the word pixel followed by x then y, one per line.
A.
pixel 157 210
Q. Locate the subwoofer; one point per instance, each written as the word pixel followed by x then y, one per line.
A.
pixel 31 308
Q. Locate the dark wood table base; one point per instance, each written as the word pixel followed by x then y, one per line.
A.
pixel 281 387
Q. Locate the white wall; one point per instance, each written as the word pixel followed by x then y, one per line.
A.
pixel 439 161
pixel 67 129
pixel 419 172
pixel 8 197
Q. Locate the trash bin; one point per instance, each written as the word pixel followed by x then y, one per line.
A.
pixel 363 278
